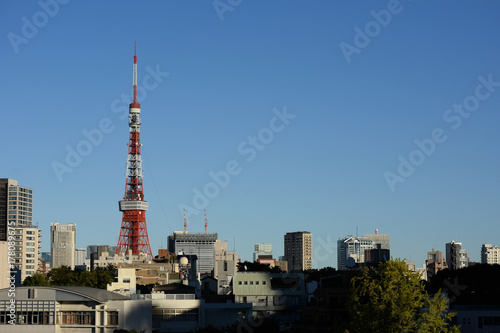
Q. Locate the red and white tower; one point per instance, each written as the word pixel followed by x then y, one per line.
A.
pixel 134 233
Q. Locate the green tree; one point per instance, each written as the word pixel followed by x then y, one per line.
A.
pixel 62 276
pixel 65 276
pixel 86 279
pixel 104 276
pixel 36 279
pixel 256 267
pixel 391 298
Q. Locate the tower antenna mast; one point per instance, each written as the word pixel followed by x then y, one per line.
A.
pixel 185 222
pixel 134 232
pixel 206 223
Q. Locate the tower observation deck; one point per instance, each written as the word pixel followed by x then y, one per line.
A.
pixel 134 232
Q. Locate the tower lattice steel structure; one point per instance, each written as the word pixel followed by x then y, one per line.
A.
pixel 134 232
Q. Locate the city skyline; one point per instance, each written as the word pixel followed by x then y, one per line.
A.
pixel 273 117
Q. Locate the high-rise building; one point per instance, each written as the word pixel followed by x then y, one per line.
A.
pixel 456 256
pixel 351 251
pixel 28 245
pixel 381 240
pixel 4 265
pixel 381 251
pixel 80 255
pixel 435 262
pixel 62 245
pixel 264 251
pixel 16 206
pixel 16 216
pixel 195 243
pixel 299 250
pixel 490 254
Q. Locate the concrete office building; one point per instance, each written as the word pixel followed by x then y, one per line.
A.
pixel 16 219
pixel 199 244
pixel 456 256
pixel 16 206
pixel 351 251
pixel 490 254
pixel 435 262
pixel 280 295
pixel 225 267
pixel 262 250
pixel 62 245
pixel 299 250
pixel 381 240
pixel 80 255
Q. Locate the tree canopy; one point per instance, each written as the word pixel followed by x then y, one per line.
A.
pixel 391 298
pixel 257 267
pixel 65 276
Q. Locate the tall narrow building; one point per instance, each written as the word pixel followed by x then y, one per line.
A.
pixel 299 250
pixel 62 245
pixel 16 220
pixel 134 232
pixel 16 206
pixel 456 256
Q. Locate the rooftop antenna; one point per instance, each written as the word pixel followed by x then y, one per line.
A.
pixel 206 223
pixel 185 222
pixel 134 89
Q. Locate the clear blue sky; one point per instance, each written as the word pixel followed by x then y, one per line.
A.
pixel 360 101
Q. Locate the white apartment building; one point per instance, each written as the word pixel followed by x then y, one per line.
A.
pixel 490 254
pixel 28 246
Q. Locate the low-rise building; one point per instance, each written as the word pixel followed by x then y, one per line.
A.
pixel 280 295
pixel 71 309
pixel 125 283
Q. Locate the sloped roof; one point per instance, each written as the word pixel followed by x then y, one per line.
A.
pixel 99 295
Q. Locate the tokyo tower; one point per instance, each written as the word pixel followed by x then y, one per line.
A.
pixel 133 232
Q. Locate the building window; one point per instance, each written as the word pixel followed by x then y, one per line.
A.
pixel 76 318
pixel 113 318
pixel 263 283
pixel 246 283
pixel 257 282
pixel 239 283
pixel 251 283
